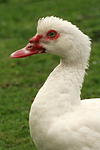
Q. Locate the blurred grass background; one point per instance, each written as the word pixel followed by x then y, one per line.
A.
pixel 20 79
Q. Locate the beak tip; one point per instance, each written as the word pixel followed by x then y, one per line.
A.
pixel 11 56
pixel 20 53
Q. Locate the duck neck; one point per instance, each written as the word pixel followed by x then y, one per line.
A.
pixel 73 76
pixel 61 91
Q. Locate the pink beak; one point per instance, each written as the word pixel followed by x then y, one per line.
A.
pixel 31 48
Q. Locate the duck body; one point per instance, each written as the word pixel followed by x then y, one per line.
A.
pixel 59 119
pixel 58 124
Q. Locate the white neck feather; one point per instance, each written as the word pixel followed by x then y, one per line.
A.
pixel 61 91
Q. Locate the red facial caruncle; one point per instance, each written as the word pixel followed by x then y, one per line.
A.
pixel 34 44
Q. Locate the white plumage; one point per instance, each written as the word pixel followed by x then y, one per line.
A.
pixel 58 119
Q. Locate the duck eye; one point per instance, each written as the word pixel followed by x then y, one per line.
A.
pixel 52 34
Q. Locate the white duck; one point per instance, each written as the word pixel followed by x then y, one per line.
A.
pixel 58 119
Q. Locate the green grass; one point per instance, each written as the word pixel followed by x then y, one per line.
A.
pixel 20 79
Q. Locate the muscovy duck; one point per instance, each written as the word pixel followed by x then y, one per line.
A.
pixel 59 119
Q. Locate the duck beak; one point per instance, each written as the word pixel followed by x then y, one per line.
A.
pixel 31 48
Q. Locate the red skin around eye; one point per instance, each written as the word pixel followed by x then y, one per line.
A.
pixel 52 38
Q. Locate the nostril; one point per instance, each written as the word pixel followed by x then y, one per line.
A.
pixel 29 46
